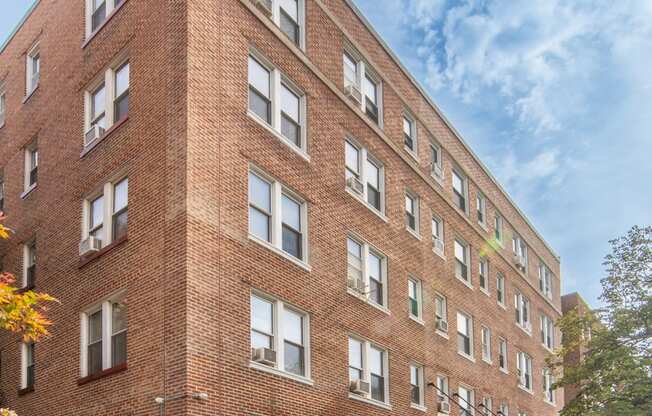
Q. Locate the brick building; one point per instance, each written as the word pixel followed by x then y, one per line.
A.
pixel 251 208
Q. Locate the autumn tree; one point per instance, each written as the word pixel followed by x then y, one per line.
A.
pixel 613 376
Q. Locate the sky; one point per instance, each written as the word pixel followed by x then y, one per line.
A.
pixel 554 96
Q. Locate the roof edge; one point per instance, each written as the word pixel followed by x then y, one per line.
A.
pixel 20 24
pixel 430 101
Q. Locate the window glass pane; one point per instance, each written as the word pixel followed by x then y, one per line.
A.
pixel 259 193
pixel 259 77
pixel 409 204
pixel 458 183
pixel 98 101
pixel 407 127
pixel 122 80
pixel 376 361
pixel 291 242
pixel 352 155
pixel 259 340
pixel 291 213
pixel 373 175
pixel 370 90
pixel 99 14
pixel 119 349
pixel 294 360
pixel 95 327
pixel 354 249
pixel 355 353
pixel 377 388
pixel 350 70
pixel 462 324
pixel 121 195
pixel 290 103
pixel 119 317
pixel 97 212
pixel 293 327
pixel 374 263
pixel 261 315
pixel 460 252
pixel 291 8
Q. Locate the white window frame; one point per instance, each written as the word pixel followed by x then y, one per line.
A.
pixel 30 149
pixel 364 157
pixel 106 306
pixel 368 249
pixel 487 404
pixel 110 8
pixel 442 388
pixel 277 81
pixel 364 70
pixel 504 409
pixel 469 318
pixel 438 233
pixel 421 405
pixel 24 363
pixel 498 229
pixel 465 189
pixel 545 280
pixel 301 13
pixel 32 78
pixel 411 120
pixel 485 336
pixel 522 304
pixel 501 292
pixel 30 253
pixel 436 169
pixel 483 271
pixel 277 190
pixel 502 352
pixel 419 299
pixel 366 373
pixel 107 79
pixel 415 203
pixel 278 338
pixel 3 104
pixel 467 261
pixel 547 328
pixel 467 405
pixel 524 371
pixel 481 209
pixel 107 191
pixel 549 395
pixel 440 299
pixel 519 247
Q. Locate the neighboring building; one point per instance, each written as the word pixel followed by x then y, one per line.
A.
pixel 267 210
pixel 571 302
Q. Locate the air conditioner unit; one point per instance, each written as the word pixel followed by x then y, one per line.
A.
pixel 438 245
pixel 435 169
pixel 360 387
pixel 528 326
pixel 444 407
pixel 353 92
pixel 356 284
pixel 519 261
pixel 355 185
pixel 264 356
pixel 442 325
pixel 264 5
pixel 92 134
pixel 90 245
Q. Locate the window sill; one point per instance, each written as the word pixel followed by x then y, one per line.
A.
pixel 92 145
pixel 104 373
pixel 275 371
pixel 502 370
pixel 84 260
pixel 280 252
pixel 485 291
pixel 464 282
pixel 364 299
pixel 442 334
pixel 439 253
pixel 28 191
pixel 413 233
pixel 502 305
pixel 438 178
pixel 26 390
pixel 382 405
pixel 483 226
pixel 549 403
pixel 528 332
pixel 468 357
pixel 419 407
pixel 363 202
pixel 490 362
pixel 417 320
pixel 412 153
pixel 302 153
pixel 545 347
pixel 106 21
pixel 30 94
pixel 24 289
pixel 2 124
pixel 530 392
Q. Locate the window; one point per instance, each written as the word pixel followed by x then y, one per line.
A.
pixel 97 12
pixel 104 336
pixel 365 175
pixel 438 235
pixel 33 70
pixel 442 389
pixel 522 307
pixel 29 265
pixel 524 370
pixel 416 386
pixel 415 296
pixel 522 413
pixel 276 216
pixel 498 228
pixel 441 313
pixel 3 104
pixel 409 134
pixel 274 100
pixel 31 167
pixel 2 193
pixel 412 212
pixel 464 334
pixel 486 343
pixel 520 253
pixel 459 190
pixel 462 261
pixel 288 15
pixel 487 406
pixel 481 209
pixel 466 401
pixel 483 274
pixel 548 382
pixel 367 272
pixel 106 213
pixel 503 410
pixel 545 280
pixel 27 360
pixel 502 354
pixel 500 289
pixel 278 327
pixel 436 162
pixel 363 85
pixel 107 101
pixel 547 332
pixel 368 362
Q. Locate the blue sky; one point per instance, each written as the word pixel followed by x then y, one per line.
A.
pixel 555 96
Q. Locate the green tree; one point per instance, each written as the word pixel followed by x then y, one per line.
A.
pixel 614 376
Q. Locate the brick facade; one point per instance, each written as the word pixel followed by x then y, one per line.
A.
pixel 189 265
